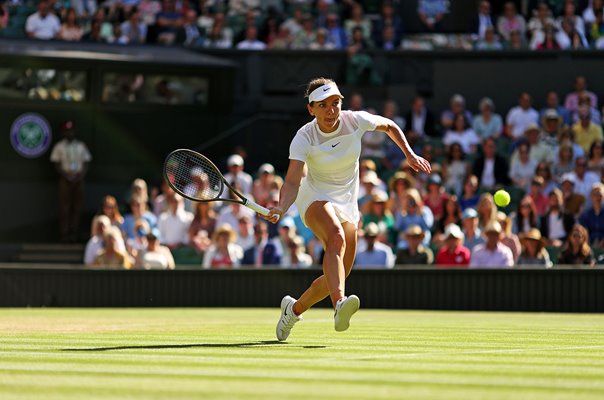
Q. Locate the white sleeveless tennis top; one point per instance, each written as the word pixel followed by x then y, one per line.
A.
pixel 332 160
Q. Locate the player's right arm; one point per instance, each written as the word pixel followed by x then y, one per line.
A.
pixel 289 190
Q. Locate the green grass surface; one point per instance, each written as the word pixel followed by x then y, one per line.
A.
pixel 231 353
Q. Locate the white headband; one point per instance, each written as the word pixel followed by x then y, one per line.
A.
pixel 323 92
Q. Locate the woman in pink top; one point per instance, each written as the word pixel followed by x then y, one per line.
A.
pixel 510 21
pixel 71 30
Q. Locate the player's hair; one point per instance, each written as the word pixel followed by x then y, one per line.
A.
pixel 315 83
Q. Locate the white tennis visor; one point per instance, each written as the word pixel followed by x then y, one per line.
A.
pixel 323 92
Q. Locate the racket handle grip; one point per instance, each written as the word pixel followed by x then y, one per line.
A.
pixel 258 208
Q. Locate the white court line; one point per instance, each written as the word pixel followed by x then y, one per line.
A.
pixel 498 351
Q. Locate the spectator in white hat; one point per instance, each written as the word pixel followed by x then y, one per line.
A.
pixel 573 202
pixel 453 253
pixel 472 233
pixel 370 182
pixel 237 174
pixel 266 183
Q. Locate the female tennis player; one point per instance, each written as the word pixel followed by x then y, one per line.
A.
pixel 323 180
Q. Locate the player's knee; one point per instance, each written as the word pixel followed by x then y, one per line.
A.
pixel 336 241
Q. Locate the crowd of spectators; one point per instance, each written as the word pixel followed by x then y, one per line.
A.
pixel 306 24
pixel 550 159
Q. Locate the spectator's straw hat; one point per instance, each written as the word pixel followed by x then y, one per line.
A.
pixel 112 233
pixel 371 177
pixel 414 230
pixel 453 230
pixel 379 196
pixel 493 226
pixel 368 163
pixel 225 229
pixel 372 230
pixel 532 127
pixel 532 234
pixel 597 187
pixel 551 114
pixel 139 183
pixel 401 176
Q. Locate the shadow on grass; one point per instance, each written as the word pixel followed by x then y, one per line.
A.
pixel 191 346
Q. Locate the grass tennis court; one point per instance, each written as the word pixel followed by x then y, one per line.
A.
pixel 232 353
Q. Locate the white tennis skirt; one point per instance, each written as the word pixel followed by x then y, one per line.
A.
pixel 346 205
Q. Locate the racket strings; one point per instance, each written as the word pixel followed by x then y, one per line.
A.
pixel 194 176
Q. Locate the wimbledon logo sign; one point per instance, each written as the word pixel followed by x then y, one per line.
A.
pixel 30 135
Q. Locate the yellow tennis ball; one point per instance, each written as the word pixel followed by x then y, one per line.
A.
pixel 502 198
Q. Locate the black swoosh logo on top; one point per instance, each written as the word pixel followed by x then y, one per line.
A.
pixel 334 145
pixel 325 89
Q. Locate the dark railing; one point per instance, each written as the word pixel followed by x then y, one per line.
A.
pixel 564 290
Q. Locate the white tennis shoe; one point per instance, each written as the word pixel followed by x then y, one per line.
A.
pixel 345 309
pixel 288 318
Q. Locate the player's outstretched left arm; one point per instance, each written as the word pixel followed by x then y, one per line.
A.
pixel 396 134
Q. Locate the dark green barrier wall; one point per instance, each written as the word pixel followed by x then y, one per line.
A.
pixel 518 290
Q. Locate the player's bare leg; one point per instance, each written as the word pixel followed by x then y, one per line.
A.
pixel 321 218
pixel 323 221
pixel 319 289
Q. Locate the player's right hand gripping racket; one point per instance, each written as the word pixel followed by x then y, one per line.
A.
pixel 195 177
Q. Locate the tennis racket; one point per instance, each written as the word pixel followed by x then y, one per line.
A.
pixel 196 178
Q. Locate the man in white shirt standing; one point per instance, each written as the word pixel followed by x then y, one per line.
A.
pixel 174 223
pixel 584 180
pixel 521 116
pixel 71 158
pixel 42 24
pixel 244 181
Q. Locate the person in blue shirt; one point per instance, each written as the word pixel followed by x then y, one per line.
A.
pixel 415 213
pixel 593 218
pixel 376 253
pixel 139 210
pixel 431 14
